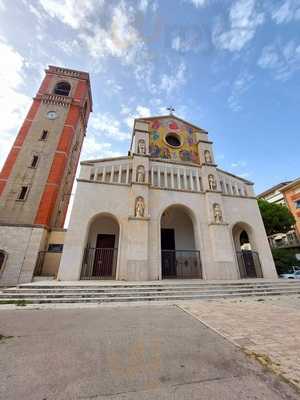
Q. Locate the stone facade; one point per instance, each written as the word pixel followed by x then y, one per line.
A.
pixel 183 214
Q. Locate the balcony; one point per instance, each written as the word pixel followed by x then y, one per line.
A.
pixel 284 240
pixel 161 175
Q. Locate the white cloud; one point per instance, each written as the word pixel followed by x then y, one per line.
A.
pixel 191 41
pixel 198 3
pixel 169 83
pixel 69 47
pixel 281 60
pixel 239 164
pixel 121 39
pixel 125 109
pixel 244 20
pixel 2 5
pixel 245 175
pixel 93 149
pixel 143 5
pixel 113 87
pixel 139 112
pixel 288 11
pixel 71 12
pixel 108 126
pixel 240 86
pixel 13 103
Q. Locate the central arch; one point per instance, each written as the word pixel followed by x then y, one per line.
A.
pixel 246 252
pixel 100 258
pixel 180 257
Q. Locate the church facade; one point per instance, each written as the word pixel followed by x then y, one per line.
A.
pixel 164 211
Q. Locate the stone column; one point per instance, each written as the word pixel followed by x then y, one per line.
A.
pixel 138 213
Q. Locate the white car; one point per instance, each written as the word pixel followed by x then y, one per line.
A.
pixel 293 273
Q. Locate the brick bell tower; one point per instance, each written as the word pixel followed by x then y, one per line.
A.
pixel 38 174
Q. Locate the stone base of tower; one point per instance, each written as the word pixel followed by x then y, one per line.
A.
pixel 21 245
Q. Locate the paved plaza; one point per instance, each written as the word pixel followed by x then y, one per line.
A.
pixel 267 328
pixel 145 352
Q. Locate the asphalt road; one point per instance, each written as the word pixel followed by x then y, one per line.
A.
pixel 136 353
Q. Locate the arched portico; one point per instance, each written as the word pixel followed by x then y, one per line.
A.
pixel 246 251
pixel 180 255
pixel 100 260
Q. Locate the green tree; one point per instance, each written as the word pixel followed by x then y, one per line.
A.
pixel 284 258
pixel 277 218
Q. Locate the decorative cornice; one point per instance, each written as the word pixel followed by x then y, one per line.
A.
pixel 92 162
pixel 141 131
pixel 167 161
pixel 103 183
pixel 209 165
pixel 239 196
pixel 204 141
pixel 24 226
pixel 133 218
pixel 54 99
pixel 218 224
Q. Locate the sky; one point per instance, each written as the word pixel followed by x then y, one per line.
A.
pixel 229 66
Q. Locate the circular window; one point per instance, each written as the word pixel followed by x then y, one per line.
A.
pixel 173 140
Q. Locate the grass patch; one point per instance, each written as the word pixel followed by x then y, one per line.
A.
pixel 20 303
pixel 3 337
pixel 269 364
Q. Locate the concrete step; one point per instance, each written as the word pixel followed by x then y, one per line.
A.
pixel 118 299
pixel 152 291
pixel 138 289
pixel 22 293
pixel 159 284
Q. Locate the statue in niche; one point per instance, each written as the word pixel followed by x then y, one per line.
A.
pixel 139 207
pixel 212 182
pixel 141 146
pixel 218 213
pixel 207 157
pixel 140 174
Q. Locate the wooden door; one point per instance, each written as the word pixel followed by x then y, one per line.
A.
pixel 249 264
pixel 168 254
pixel 104 256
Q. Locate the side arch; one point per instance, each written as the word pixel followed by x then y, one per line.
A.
pixel 102 247
pixel 246 250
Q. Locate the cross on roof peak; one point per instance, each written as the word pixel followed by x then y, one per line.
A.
pixel 171 110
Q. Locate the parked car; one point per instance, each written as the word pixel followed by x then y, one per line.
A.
pixel 292 273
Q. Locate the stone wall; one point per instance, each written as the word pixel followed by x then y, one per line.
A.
pixel 22 245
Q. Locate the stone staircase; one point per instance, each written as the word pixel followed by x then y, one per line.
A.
pixel 172 291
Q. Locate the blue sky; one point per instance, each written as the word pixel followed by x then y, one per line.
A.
pixel 231 67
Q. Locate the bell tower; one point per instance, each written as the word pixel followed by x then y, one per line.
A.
pixel 37 177
pixel 38 174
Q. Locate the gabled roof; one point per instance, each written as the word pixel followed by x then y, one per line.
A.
pixel 289 185
pixel 273 188
pixel 145 119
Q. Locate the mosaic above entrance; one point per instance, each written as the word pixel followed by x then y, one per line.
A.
pixel 173 140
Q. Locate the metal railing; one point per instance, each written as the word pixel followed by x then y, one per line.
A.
pixel 52 258
pixel 181 264
pixel 249 264
pixel 284 243
pixel 99 263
